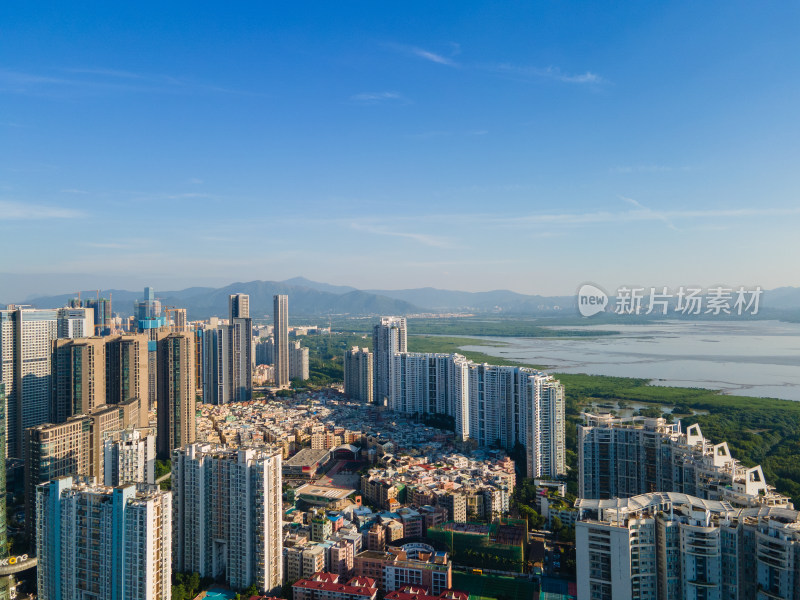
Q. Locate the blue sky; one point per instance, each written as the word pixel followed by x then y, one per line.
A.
pixel 529 146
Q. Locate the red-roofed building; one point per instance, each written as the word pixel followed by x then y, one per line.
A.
pixel 326 586
pixel 420 592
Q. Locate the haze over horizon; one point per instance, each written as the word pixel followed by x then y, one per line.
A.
pixel 472 147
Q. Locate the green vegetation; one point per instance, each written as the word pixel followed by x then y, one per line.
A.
pixel 763 431
pixel 251 591
pixel 326 356
pixel 288 492
pixel 439 421
pixel 186 586
pixel 524 499
pixel 163 467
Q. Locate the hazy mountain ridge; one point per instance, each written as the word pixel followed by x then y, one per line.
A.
pixel 202 303
pixel 308 297
pixel 504 300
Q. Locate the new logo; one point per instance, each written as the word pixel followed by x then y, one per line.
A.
pixel 591 300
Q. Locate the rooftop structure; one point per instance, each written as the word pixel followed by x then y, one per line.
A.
pixel 397 567
pixel 306 463
pixel 321 495
pixel 329 586
pixel 620 457
pixel 673 545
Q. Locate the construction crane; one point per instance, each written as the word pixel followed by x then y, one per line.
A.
pixel 172 309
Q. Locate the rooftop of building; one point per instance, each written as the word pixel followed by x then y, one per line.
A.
pixel 421 592
pixel 323 491
pixel 616 509
pixel 329 582
pixel 306 457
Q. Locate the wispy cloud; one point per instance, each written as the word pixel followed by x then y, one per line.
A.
pixel 433 57
pixel 552 73
pixel 107 73
pixel 427 240
pixel 427 54
pixel 467 262
pixel 122 244
pixel 73 81
pixel 585 219
pixel 604 217
pixel 526 73
pixel 657 215
pixel 426 135
pixel 379 97
pixel 156 196
pixel 17 211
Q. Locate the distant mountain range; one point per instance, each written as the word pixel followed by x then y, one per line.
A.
pixel 311 298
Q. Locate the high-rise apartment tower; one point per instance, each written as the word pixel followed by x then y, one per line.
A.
pixel 281 319
pixel 389 337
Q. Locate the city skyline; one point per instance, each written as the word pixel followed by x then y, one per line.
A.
pixel 447 192
pixel 475 147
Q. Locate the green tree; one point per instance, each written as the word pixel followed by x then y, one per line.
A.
pixel 193 583
pixel 556 524
pixel 179 593
pixel 163 467
pixel 567 534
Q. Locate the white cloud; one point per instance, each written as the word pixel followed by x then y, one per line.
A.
pixel 432 56
pixel 426 135
pixel 657 215
pixel 581 219
pixel 106 73
pixel 17 211
pixel 645 214
pixel 377 97
pixel 554 73
pixel 427 240
pixel 427 54
pixel 95 80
